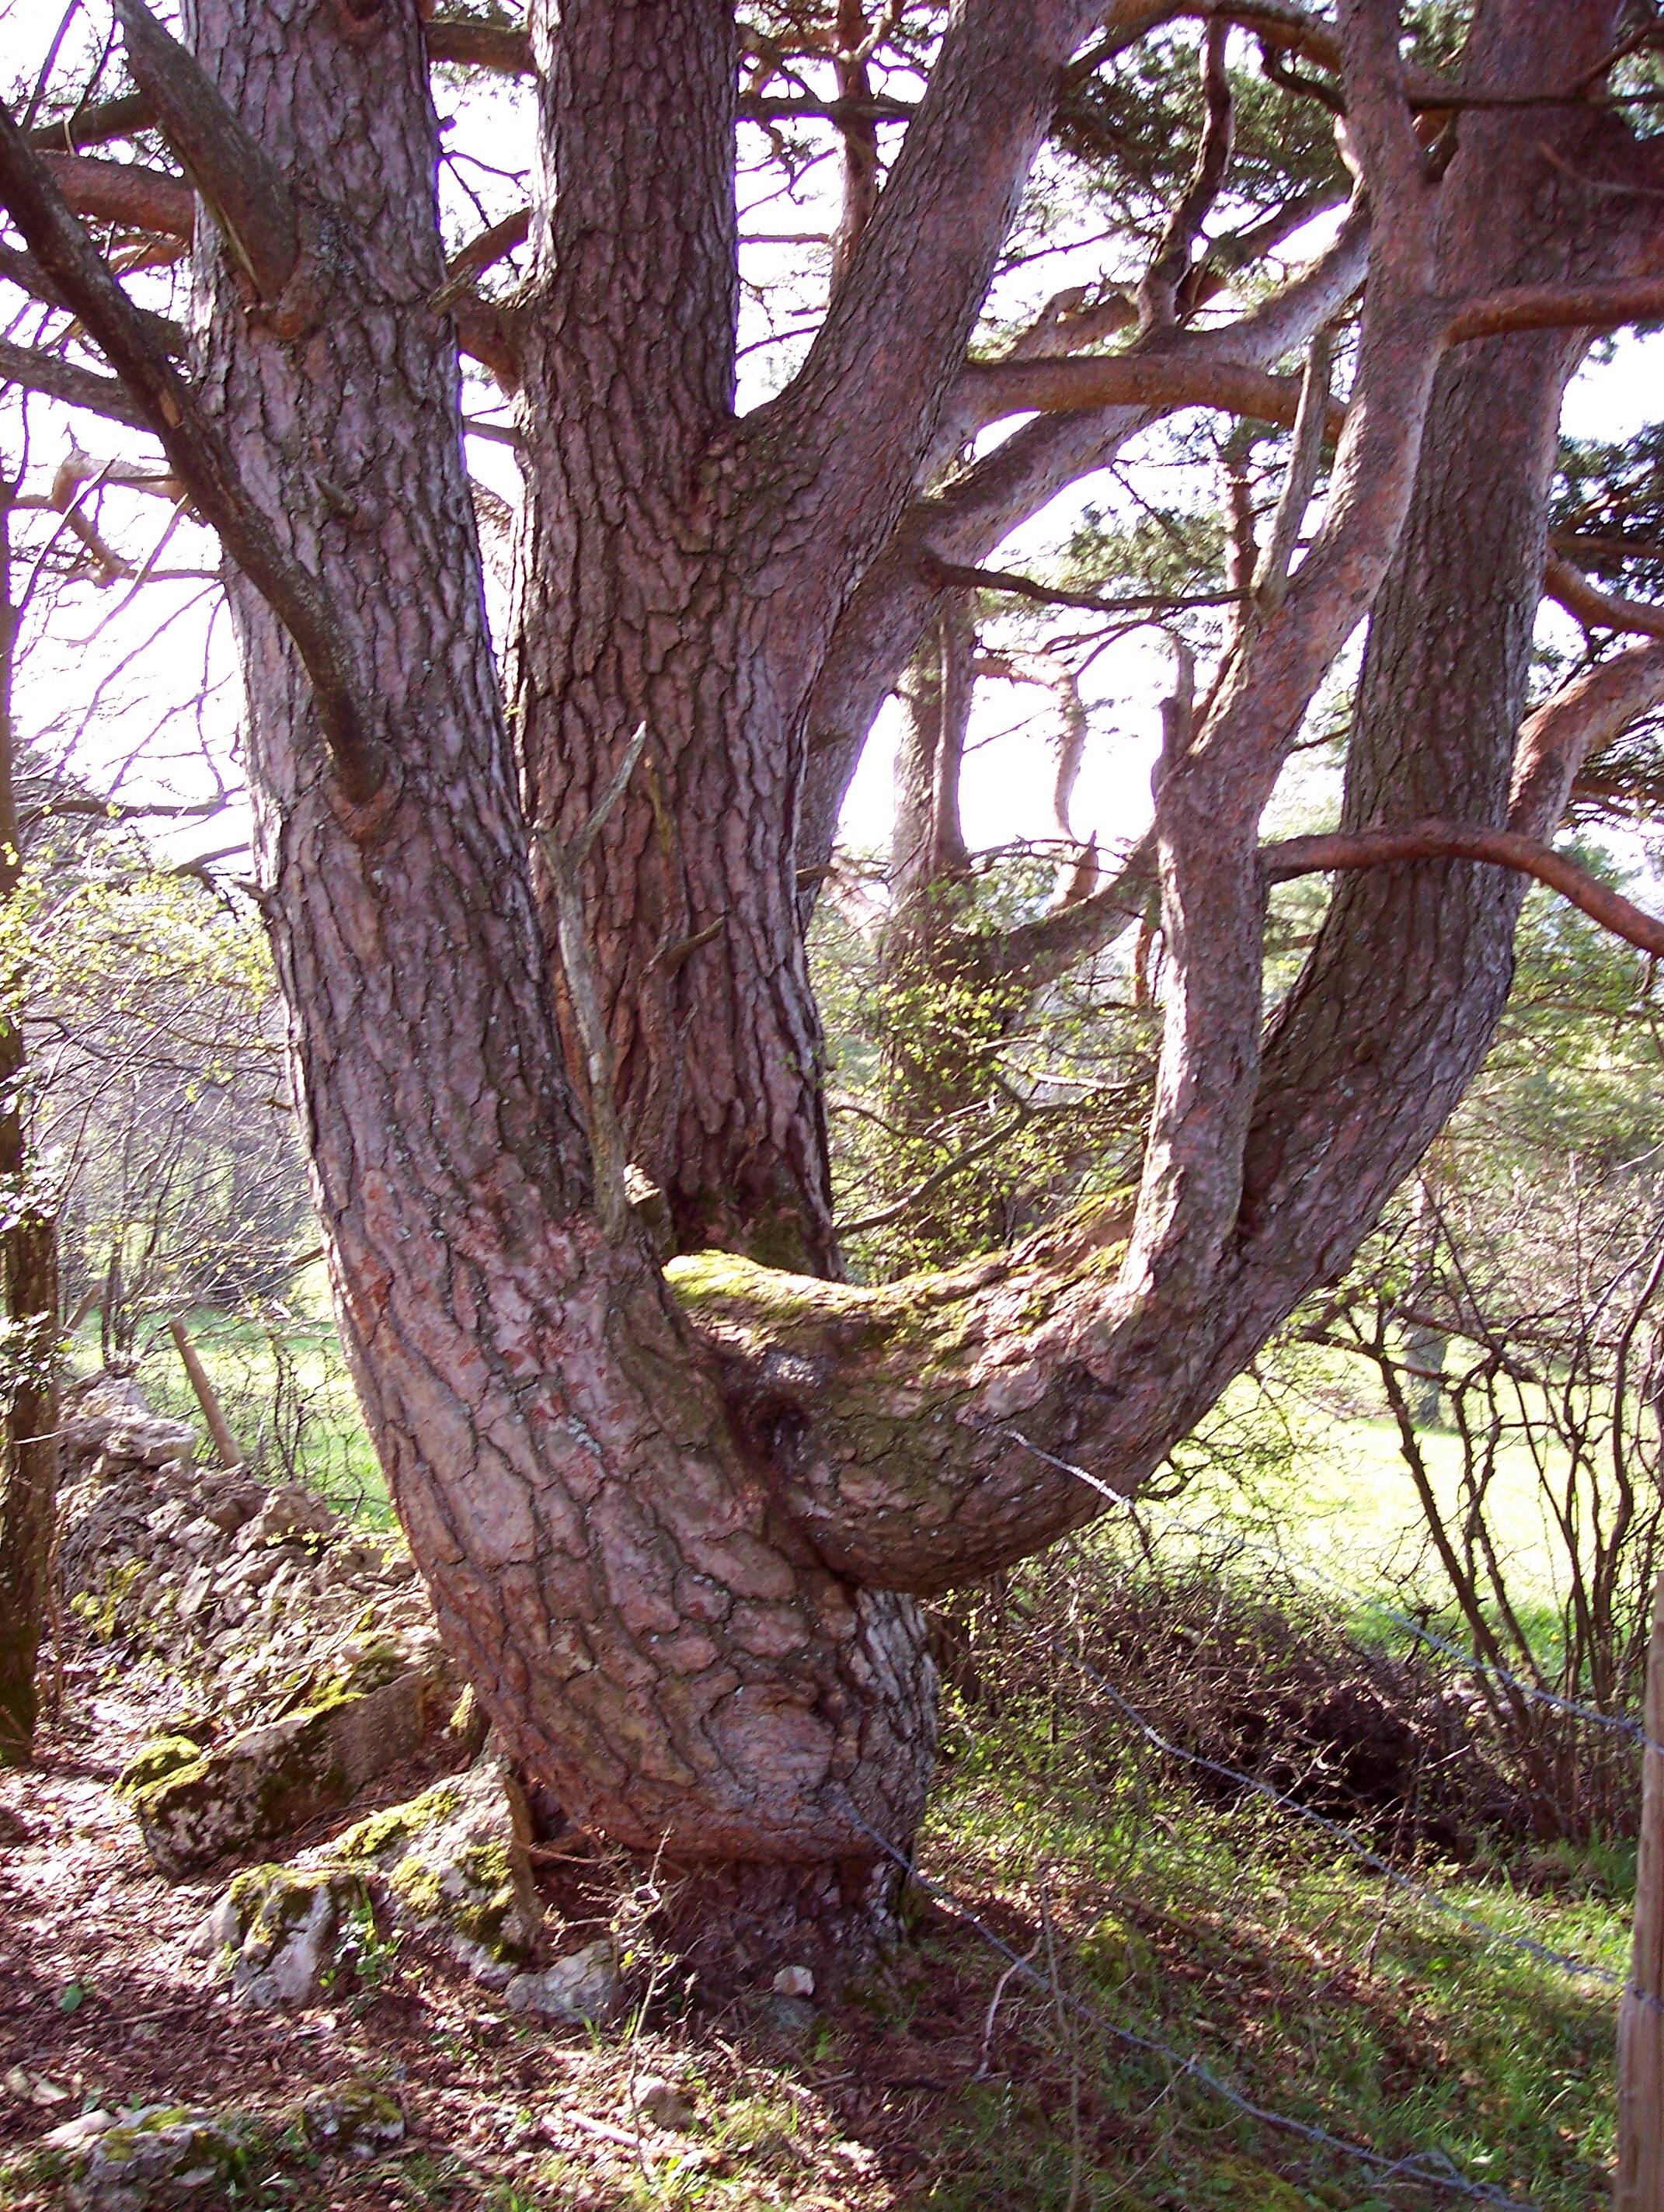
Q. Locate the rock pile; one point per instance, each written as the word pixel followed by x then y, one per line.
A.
pixel 307 1662
pixel 257 1600
pixel 125 2161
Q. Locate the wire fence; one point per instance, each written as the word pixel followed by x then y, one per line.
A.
pixel 1430 2169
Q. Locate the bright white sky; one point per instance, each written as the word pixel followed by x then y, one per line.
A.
pixel 79 682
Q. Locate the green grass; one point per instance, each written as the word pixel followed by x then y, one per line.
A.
pixel 1308 1473
pixel 284 1385
pixel 1291 1976
pixel 1230 1936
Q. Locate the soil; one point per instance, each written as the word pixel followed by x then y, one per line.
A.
pixel 101 2006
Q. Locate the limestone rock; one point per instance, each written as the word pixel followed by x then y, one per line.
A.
pixel 443 1862
pixel 661 2103
pixel 354 2119
pixel 290 1512
pixel 277 1929
pixel 159 2149
pixel 585 1986
pixel 270 1780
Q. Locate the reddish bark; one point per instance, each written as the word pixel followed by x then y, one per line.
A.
pixel 670 1553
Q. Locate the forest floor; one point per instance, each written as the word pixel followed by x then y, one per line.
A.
pixel 1163 1935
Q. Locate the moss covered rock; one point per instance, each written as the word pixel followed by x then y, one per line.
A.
pixel 277 1931
pixel 445 1862
pixel 157 2151
pixel 353 2119
pixel 194 1807
pixel 152 1762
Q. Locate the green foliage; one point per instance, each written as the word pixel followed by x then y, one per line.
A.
pixel 1614 494
pixel 1133 128
pixel 962 1115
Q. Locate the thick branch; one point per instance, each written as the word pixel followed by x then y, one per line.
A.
pixel 1455 841
pixel 496 46
pixel 199 456
pixel 1211 799
pixel 76 387
pixel 888 616
pixel 241 185
pixel 121 118
pixel 1557 307
pixel 1167 279
pixel 881 365
pixel 1065 384
pixel 1035 953
pixel 124 192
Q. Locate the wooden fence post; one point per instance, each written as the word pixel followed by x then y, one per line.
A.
pixel 218 1427
pixel 1641 2024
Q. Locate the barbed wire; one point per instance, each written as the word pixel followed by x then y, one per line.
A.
pixel 1576 1709
pixel 1566 1961
pixel 1432 2169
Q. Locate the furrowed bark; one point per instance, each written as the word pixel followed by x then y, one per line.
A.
pixel 668 1553
pixel 655 1642
pixel 703 601
pixel 969 1417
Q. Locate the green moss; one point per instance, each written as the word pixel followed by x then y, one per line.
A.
pixel 369 1838
pixel 159 1761
pixel 101 1615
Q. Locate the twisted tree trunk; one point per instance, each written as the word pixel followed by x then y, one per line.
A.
pixel 671 1534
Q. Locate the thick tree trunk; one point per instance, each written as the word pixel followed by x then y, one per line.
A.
pixel 687 571
pixel 654 1640
pixel 1393 1014
pixel 642 599
pixel 672 1570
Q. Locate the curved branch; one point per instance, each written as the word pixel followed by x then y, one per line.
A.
pixel 1596 609
pixel 1456 841
pixel 1584 717
pixel 200 459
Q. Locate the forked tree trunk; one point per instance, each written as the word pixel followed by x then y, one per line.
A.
pixel 672 1571
pixel 655 1641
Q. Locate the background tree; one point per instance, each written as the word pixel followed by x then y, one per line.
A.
pixel 676 1520
pixel 28 1255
